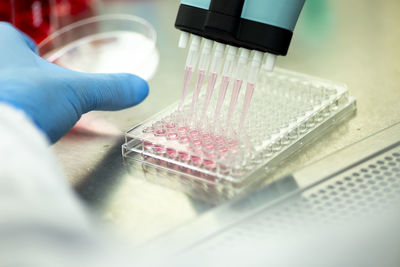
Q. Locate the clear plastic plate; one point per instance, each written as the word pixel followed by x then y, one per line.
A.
pixel 289 110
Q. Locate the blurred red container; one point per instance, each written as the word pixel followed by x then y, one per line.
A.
pixel 69 11
pixel 39 18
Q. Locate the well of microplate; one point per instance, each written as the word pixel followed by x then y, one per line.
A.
pixel 214 162
pixel 104 44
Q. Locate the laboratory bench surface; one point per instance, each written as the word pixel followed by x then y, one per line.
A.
pixel 355 42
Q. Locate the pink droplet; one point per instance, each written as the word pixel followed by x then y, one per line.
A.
pixel 207 142
pixel 184 139
pixel 172 136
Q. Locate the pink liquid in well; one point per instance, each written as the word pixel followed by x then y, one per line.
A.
pixel 209 147
pixel 183 130
pixel 183 156
pixel 210 89
pixel 197 143
pixel 223 150
pixel 197 161
pixel 184 139
pixel 235 94
pixel 170 125
pixel 172 153
pixel 221 95
pixel 202 148
pixel 196 93
pixel 197 150
pixel 160 132
pixel 209 164
pixel 159 149
pixel 172 136
pixel 207 136
pixel 194 133
pixel 207 141
pixel 219 140
pixel 186 81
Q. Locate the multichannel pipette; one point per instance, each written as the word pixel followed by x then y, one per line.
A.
pixel 265 26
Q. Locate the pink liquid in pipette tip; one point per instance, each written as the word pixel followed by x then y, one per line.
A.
pixel 246 105
pixel 235 94
pixel 210 89
pixel 221 96
pixel 196 93
pixel 186 81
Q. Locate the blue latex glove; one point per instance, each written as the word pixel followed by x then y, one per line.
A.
pixel 54 97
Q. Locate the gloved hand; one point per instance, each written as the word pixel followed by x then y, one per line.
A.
pixel 54 97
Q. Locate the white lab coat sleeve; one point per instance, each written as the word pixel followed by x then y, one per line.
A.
pixel 42 222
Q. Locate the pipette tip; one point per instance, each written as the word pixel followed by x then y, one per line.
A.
pixel 184 39
pixel 270 62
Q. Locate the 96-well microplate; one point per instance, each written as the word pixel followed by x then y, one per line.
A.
pixel 288 111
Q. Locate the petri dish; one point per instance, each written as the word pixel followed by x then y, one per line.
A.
pixel 116 43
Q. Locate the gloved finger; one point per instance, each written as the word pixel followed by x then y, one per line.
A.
pixel 13 45
pixel 112 91
pixel 31 44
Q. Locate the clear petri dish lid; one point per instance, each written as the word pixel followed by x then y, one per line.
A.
pixel 115 43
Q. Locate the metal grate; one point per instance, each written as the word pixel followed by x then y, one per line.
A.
pixel 361 190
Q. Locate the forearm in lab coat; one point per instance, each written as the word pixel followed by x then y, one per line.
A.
pixel 42 222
